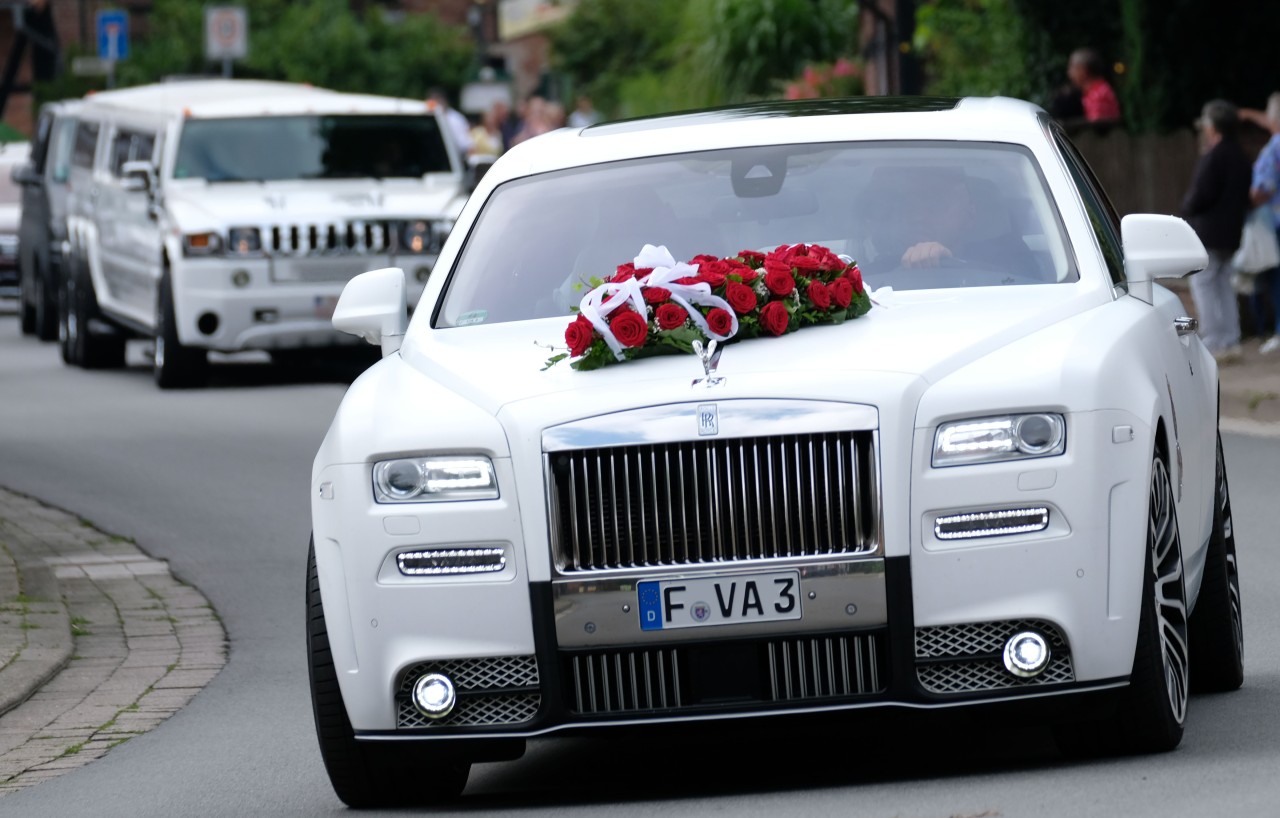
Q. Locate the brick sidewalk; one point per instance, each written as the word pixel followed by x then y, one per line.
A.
pixel 98 642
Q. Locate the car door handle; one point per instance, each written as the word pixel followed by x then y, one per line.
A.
pixel 1186 326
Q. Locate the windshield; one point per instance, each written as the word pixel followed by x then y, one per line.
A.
pixel 539 241
pixel 310 147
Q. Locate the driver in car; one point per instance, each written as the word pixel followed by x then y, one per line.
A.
pixel 946 228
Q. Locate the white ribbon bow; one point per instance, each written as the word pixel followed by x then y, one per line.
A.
pixel 603 300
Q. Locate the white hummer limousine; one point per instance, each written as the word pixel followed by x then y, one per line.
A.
pixel 226 215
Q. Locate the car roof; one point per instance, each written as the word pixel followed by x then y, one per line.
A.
pixel 216 98
pixel 989 119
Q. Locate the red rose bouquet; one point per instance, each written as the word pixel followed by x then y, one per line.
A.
pixel 656 304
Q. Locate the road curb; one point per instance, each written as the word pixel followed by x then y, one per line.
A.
pixel 99 642
pixel 35 629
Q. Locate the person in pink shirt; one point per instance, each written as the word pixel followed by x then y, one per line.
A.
pixel 1086 72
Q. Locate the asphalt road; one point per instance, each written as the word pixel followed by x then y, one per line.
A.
pixel 215 481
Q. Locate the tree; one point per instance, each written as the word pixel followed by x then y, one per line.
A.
pixel 973 47
pixel 317 41
pixel 662 55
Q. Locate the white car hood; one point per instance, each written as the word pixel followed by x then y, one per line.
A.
pixel 906 342
pixel 198 205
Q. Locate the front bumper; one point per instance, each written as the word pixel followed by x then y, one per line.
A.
pixel 268 313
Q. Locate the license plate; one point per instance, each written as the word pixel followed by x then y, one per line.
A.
pixel 702 601
pixel 325 305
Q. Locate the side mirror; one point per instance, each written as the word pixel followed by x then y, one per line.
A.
pixel 25 174
pixel 1158 247
pixel 477 166
pixel 138 175
pixel 373 305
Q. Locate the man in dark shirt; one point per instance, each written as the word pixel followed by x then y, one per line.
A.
pixel 1215 205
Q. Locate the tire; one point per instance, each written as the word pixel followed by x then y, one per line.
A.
pixel 1217 627
pixel 26 312
pixel 176 366
pixel 365 774
pixel 66 343
pixel 45 304
pixel 88 349
pixel 1151 712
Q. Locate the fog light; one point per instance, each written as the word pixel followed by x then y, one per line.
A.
pixel 434 695
pixel 207 323
pixel 422 274
pixel 1026 654
pixel 240 278
pixel 266 316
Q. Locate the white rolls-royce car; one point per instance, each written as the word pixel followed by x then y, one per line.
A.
pixel 778 409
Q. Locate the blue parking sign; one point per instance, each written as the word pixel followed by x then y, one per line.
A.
pixel 113 35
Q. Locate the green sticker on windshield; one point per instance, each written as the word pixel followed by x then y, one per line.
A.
pixel 473 317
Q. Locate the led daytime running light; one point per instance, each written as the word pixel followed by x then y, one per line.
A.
pixel 445 561
pixel 991 523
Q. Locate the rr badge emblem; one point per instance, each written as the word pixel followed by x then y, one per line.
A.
pixel 708 419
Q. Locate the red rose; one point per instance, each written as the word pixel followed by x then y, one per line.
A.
pixel 854 275
pixel 776 264
pixel 624 272
pixel 741 297
pixel 820 295
pixel 775 318
pixel 688 281
pixel 720 321
pixel 579 335
pixel 831 263
pixel 807 263
pixel 629 328
pixel 779 282
pixel 841 292
pixel 656 295
pixel 670 316
pixel 713 272
pixel 751 257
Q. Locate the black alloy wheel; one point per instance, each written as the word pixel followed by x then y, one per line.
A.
pixel 1152 710
pixel 364 774
pixel 1217 625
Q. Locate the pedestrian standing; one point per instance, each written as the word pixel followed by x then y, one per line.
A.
pixel 1266 193
pixel 1215 205
pixel 455 120
pixel 1097 97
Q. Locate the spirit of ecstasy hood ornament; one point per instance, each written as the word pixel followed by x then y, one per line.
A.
pixel 710 357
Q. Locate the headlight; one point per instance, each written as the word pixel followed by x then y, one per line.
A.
pixel 415 236
pixel 434 479
pixel 245 241
pixel 201 244
pixel 1009 437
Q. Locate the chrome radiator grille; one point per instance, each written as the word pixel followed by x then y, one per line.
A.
pixel 689 677
pixel 356 236
pixel 714 501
